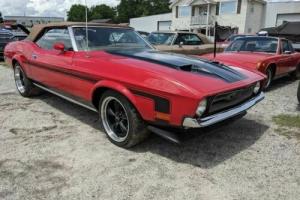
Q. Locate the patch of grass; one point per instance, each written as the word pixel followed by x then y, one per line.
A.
pixel 287 120
pixel 288 125
pixel 288 133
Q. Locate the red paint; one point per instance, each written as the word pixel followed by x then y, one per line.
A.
pixel 284 63
pixel 81 74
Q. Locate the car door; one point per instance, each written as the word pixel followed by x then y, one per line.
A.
pixel 285 60
pixel 50 67
pixel 294 57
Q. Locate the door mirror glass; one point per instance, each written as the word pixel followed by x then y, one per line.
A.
pixel 59 46
pixel 181 44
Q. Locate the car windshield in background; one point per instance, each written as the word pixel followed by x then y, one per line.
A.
pixel 188 39
pixel 161 38
pixel 102 38
pixel 254 44
pixel 233 37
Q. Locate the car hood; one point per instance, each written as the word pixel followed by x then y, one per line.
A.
pixel 240 59
pixel 186 64
pixel 190 72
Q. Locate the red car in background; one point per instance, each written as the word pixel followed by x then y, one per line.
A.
pixel 112 70
pixel 272 56
pixel 230 39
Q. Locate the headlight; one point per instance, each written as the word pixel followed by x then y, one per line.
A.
pixel 256 88
pixel 201 107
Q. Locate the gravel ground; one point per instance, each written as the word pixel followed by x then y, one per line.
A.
pixel 52 149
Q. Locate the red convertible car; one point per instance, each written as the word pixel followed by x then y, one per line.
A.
pixel 112 70
pixel 272 56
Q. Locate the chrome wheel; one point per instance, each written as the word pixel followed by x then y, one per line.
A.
pixel 115 119
pixel 269 78
pixel 20 79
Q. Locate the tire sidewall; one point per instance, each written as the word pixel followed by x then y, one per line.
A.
pixel 269 74
pixel 298 93
pixel 127 106
pixel 27 83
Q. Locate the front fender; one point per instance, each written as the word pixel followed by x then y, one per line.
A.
pixel 144 106
pixel 114 86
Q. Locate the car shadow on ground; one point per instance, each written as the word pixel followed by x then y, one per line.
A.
pixel 280 82
pixel 203 148
pixel 208 147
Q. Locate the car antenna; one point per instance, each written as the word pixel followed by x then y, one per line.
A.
pixel 215 39
pixel 86 27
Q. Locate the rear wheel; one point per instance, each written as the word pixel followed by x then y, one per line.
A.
pixel 23 84
pixel 120 120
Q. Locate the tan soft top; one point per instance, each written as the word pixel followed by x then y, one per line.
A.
pixel 37 29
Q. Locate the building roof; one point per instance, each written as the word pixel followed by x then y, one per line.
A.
pixel 289 30
pixel 37 29
pixel 189 2
pixel 37 17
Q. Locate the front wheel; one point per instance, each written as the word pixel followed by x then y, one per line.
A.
pixel 298 93
pixel 269 74
pixel 120 120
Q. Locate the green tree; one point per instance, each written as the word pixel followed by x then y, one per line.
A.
pixel 77 13
pixel 136 8
pixel 102 12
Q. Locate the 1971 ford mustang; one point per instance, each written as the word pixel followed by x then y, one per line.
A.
pixel 272 56
pixel 112 70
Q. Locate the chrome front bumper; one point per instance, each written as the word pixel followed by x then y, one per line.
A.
pixel 189 122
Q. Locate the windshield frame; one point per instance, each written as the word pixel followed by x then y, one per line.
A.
pixel 254 39
pixel 74 44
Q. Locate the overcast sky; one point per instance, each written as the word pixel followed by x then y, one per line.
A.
pixel 54 8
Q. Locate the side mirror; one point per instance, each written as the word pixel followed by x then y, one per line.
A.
pixel 180 44
pixel 59 46
pixel 287 52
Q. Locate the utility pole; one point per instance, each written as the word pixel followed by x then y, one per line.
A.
pixel 1 18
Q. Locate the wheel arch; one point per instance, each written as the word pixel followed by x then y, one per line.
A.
pixel 105 85
pixel 273 66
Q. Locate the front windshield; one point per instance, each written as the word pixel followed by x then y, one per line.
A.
pixel 254 44
pixel 103 38
pixel 161 38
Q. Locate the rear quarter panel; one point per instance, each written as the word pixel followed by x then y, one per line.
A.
pixel 19 51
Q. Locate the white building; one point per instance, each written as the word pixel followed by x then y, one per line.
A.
pixel 29 21
pixel 280 11
pixel 152 23
pixel 247 16
pixel 196 15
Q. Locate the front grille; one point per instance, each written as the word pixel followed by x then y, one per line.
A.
pixel 229 99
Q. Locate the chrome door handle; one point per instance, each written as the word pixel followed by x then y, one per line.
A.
pixel 34 56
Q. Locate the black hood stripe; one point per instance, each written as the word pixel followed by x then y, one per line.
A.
pixel 184 63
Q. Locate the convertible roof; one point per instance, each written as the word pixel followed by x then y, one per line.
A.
pixel 37 29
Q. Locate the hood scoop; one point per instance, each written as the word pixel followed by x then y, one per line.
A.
pixel 184 63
